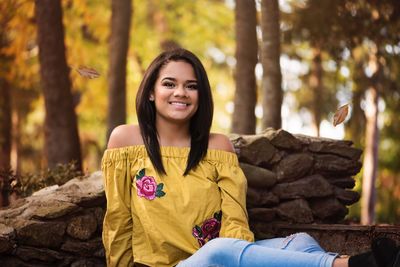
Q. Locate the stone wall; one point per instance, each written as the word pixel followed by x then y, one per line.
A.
pixel 294 182
pixel 297 179
pixel 56 226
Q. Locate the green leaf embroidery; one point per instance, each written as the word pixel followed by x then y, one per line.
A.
pixel 140 174
pixel 160 193
pixel 160 187
pixel 218 216
pixel 199 231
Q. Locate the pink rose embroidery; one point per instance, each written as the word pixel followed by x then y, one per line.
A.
pixel 209 229
pixel 147 186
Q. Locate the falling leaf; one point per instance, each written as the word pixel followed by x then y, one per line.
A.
pixel 88 72
pixel 340 114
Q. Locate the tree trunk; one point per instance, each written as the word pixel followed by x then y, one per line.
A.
pixel 119 45
pixel 356 126
pixel 357 120
pixel 244 120
pixel 370 159
pixel 371 146
pixel 159 21
pixel 16 140
pixel 5 139
pixel 270 54
pixel 5 123
pixel 62 143
pixel 5 109
pixel 317 89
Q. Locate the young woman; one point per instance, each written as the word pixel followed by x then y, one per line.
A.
pixel 175 192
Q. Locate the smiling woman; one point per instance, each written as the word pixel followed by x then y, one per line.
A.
pixel 176 195
pixel 182 75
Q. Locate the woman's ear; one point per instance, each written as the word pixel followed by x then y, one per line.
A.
pixel 151 97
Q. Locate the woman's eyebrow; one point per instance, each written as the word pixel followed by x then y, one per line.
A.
pixel 173 79
pixel 191 81
pixel 168 78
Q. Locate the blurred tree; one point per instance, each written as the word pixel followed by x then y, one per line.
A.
pixel 270 59
pixel 371 140
pixel 5 133
pixel 244 119
pixel 388 195
pixel 119 45
pixel 62 143
pixel 374 25
pixel 348 25
pixel 356 124
pixel 87 40
pixel 17 85
pixel 20 73
pixel 7 9
pixel 157 18
pixel 307 26
pixel 316 85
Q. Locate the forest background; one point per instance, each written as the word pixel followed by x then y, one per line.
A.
pixel 69 72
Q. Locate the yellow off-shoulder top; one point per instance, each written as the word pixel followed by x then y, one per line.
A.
pixel 159 220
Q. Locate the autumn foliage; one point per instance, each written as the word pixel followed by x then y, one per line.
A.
pixel 331 54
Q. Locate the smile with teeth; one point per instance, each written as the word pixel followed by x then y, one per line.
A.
pixel 181 104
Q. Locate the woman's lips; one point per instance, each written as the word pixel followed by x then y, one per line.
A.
pixel 179 104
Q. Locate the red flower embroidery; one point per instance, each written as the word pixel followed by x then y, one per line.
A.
pixel 209 229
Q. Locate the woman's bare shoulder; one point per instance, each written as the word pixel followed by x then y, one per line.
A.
pixel 220 142
pixel 125 135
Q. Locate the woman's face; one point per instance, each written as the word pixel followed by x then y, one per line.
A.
pixel 175 93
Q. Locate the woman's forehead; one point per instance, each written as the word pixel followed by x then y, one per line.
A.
pixel 177 69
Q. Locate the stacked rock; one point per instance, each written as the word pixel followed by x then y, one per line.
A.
pixel 56 226
pixel 297 178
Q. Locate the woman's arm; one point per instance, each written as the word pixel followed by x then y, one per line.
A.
pixel 233 188
pixel 117 225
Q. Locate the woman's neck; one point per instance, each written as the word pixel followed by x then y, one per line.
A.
pixel 173 135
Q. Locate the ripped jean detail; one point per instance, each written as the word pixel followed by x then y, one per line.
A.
pixel 296 242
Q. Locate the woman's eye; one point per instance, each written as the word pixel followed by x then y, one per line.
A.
pixel 168 84
pixel 192 86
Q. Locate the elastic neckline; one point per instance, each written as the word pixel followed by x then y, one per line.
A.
pixel 139 151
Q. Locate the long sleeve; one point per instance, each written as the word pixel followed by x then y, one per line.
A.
pixel 117 226
pixel 233 187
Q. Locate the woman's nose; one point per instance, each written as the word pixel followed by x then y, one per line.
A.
pixel 180 91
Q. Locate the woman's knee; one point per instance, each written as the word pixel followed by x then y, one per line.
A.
pixel 222 250
pixel 208 255
pixel 217 246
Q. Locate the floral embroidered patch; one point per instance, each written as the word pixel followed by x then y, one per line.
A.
pixel 147 186
pixel 208 230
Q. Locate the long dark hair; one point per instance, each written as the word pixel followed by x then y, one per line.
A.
pixel 200 123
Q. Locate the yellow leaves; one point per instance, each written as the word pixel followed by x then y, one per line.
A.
pixel 88 72
pixel 340 114
pixel 20 34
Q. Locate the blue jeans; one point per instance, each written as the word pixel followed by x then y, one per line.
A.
pixel 297 250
